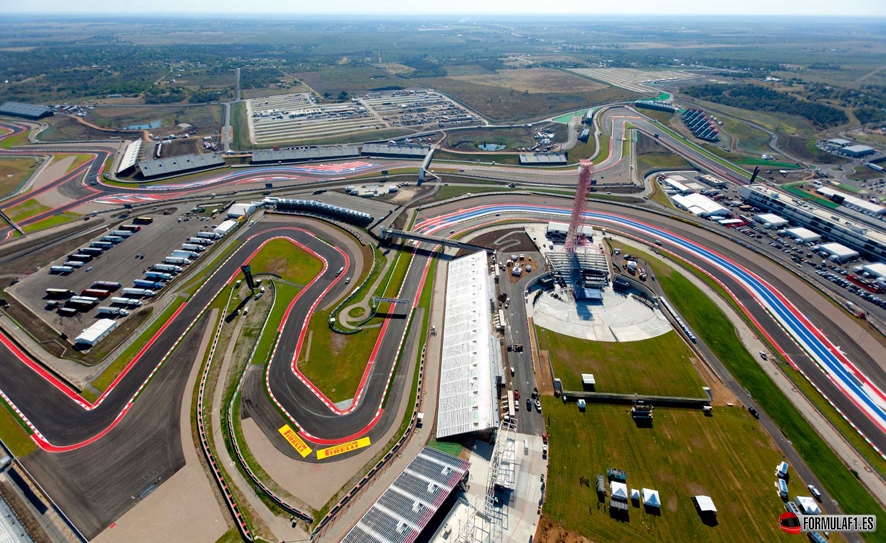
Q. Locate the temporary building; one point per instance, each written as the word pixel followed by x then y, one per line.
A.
pixel 96 332
pixel 618 490
pixel 770 220
pixel 781 470
pixel 587 380
pixel 651 499
pixel 803 234
pixel 601 485
pixel 807 505
pixel 705 504
pixel 241 210
pixel 225 227
pixel 635 494
pixel 581 405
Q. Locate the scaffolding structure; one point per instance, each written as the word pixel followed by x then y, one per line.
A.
pixel 579 206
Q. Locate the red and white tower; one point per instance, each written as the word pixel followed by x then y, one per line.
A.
pixel 574 236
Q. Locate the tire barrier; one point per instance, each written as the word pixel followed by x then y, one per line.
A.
pixel 236 445
pixel 242 526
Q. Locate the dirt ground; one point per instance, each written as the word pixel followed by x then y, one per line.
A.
pixel 549 532
pixel 533 80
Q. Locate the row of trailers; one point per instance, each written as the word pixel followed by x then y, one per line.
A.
pixel 84 255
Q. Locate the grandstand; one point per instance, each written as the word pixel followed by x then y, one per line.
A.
pixel 179 164
pixel 702 127
pixel 388 150
pixel 658 106
pixel 303 154
pixel 541 159
pixel 130 157
pixel 406 508
pixel 313 206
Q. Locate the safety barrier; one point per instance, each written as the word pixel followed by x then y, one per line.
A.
pixel 236 445
pixel 242 526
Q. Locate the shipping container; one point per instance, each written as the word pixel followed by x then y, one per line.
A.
pixel 144 219
pixel 193 247
pixel 145 283
pixel 200 241
pixel 58 293
pixel 126 301
pixel 175 260
pixel 74 263
pixel 112 311
pixel 61 269
pixel 160 276
pixel 98 293
pixel 167 268
pixel 121 233
pixel 111 239
pixel 130 227
pixel 101 244
pixel 81 257
pixel 106 285
pixel 138 292
pixel 94 251
pixel 84 299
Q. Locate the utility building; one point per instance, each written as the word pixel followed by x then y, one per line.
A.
pixel 26 111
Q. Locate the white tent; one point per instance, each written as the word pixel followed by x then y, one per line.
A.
pixel 618 490
pixel 635 494
pixel 807 505
pixel 705 504
pixel 650 498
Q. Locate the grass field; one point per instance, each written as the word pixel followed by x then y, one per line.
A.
pixel 862 173
pixel 13 141
pixel 728 457
pixel 511 138
pixel 748 138
pixel 14 171
pixel 533 81
pixel 502 104
pixel 717 331
pixel 510 159
pixel 208 117
pixel 240 126
pixel 50 222
pixel 668 161
pixel 659 366
pixel 288 261
pixel 25 210
pixel 13 434
pixel 824 202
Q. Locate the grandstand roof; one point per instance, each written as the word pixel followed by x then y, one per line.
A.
pixel 178 164
pixel 29 111
pixel 130 156
pixel 312 153
pixel 409 504
pixel 395 150
pixel 542 158
pixel 467 386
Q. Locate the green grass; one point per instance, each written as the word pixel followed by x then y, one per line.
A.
pixel 16 140
pixel 824 202
pixel 668 161
pixel 448 447
pixel 240 127
pixel 499 158
pixel 103 380
pixel 49 222
pixel 25 210
pixel 659 366
pixel 231 536
pixel 605 142
pixel 582 150
pixel 850 188
pixel 728 457
pixel 718 333
pixel 861 173
pixel 14 434
pixel 287 260
pixel 283 295
pixel 14 171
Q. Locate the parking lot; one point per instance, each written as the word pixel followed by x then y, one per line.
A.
pixel 119 264
pixel 293 118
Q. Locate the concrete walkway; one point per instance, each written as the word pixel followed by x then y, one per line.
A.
pixel 847 453
pixel 420 437
pixel 185 508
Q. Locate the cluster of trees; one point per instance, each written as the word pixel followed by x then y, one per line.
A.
pixel 257 78
pixel 424 66
pixel 757 98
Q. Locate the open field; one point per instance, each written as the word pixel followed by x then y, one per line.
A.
pixel 533 81
pixel 288 261
pixel 13 434
pixel 511 138
pixel 728 457
pixel 501 104
pixel 862 173
pixel 159 119
pixel 50 222
pixel 717 331
pixel 639 81
pixel 660 366
pixel 652 155
pixel 14 171
pixel 64 128
pixel 25 210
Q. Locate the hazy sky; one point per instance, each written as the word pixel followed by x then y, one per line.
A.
pixel 859 8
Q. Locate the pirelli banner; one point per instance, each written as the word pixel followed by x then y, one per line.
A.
pixel 343 448
pixel 297 442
